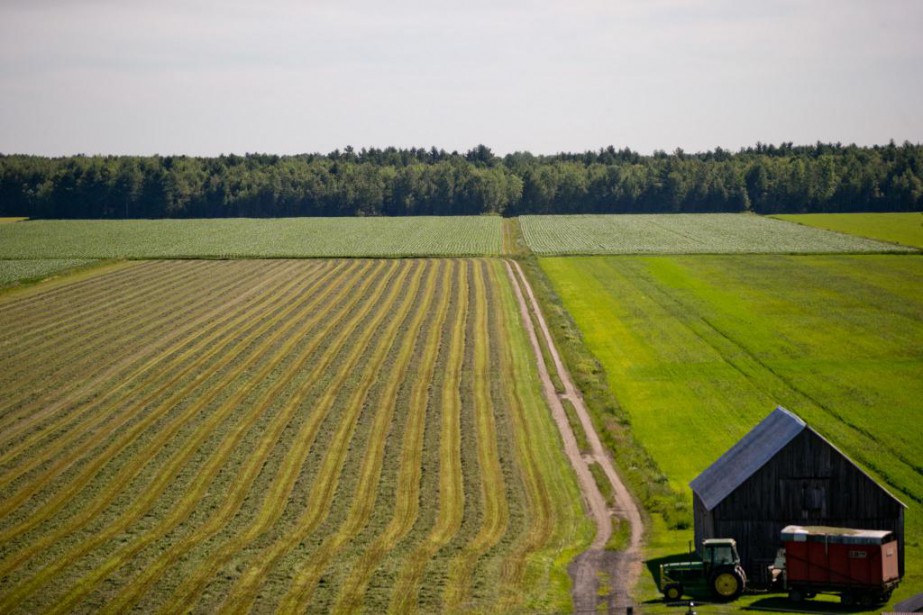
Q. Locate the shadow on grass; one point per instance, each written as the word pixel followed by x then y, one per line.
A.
pixel 781 604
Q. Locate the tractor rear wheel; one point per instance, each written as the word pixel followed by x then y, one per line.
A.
pixel 726 585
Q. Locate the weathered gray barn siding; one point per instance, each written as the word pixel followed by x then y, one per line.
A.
pixel 806 482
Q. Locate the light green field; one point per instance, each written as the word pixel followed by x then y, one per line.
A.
pixel 253 238
pixel 699 349
pixel 685 234
pixel 17 270
pixel 903 228
pixel 9 220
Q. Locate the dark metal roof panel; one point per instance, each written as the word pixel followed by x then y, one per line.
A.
pixel 743 459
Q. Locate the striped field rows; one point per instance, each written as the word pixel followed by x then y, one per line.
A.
pixel 253 436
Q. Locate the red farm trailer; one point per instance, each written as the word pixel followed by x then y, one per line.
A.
pixel 860 565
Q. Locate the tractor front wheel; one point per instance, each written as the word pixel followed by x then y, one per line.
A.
pixel 726 585
pixel 673 592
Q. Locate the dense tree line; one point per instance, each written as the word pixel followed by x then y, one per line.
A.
pixel 397 182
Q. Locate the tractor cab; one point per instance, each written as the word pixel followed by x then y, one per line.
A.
pixel 720 552
pixel 718 572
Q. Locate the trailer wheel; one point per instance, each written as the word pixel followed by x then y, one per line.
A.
pixel 796 595
pixel 847 599
pixel 726 585
pixel 673 592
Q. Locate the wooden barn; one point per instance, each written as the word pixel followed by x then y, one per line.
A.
pixel 782 473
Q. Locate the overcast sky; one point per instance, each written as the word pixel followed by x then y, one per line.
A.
pixel 286 76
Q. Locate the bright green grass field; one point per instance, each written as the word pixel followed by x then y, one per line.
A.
pixel 699 349
pixel 903 228
pixel 253 238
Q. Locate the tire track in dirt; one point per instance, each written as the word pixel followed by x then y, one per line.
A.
pixel 623 568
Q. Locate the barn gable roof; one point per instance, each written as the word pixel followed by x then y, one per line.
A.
pixel 750 454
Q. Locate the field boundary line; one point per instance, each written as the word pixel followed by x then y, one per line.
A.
pixel 56 284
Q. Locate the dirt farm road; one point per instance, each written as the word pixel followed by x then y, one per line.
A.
pixel 620 569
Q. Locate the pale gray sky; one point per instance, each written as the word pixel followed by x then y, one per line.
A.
pixel 283 76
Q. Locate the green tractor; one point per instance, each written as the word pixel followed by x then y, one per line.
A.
pixel 719 572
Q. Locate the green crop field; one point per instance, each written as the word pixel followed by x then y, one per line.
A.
pixel 684 234
pixel 324 435
pixel 699 349
pixel 902 228
pixel 252 238
pixel 16 270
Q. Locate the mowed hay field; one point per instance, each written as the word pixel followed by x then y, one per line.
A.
pixel 904 228
pixel 331 435
pixel 699 349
